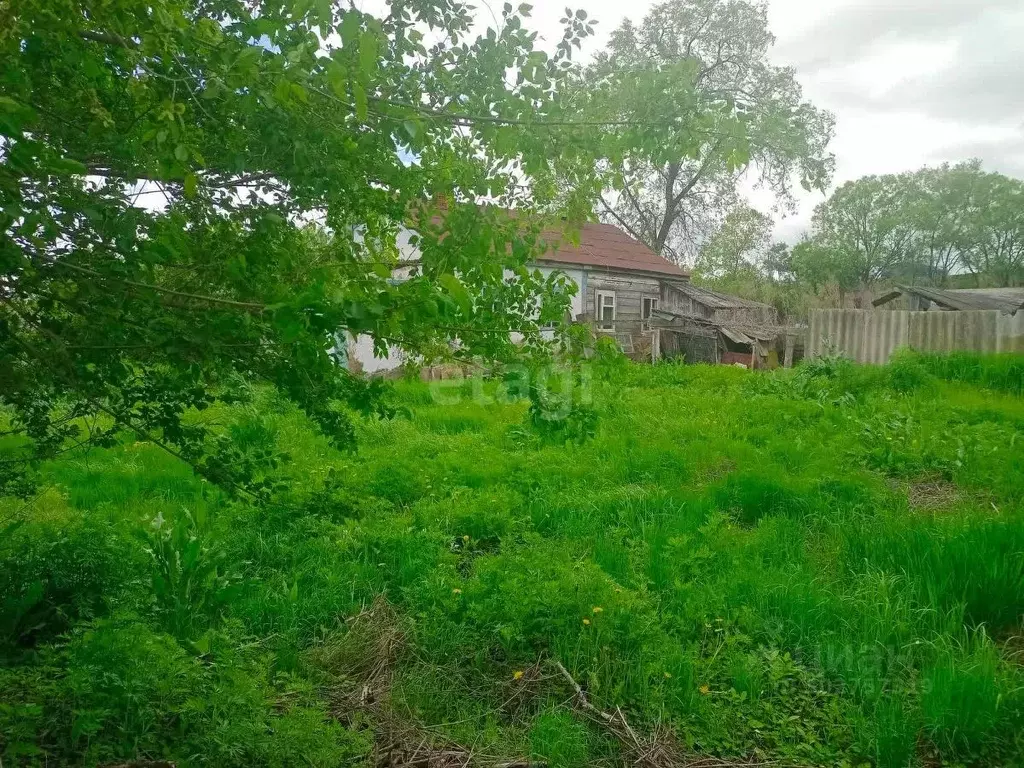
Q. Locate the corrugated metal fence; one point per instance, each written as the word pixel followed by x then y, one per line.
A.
pixel 871 336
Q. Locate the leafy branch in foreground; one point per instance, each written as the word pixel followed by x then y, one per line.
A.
pixel 197 192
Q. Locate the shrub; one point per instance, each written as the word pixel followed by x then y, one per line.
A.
pixel 61 570
pixel 131 693
pixel 907 373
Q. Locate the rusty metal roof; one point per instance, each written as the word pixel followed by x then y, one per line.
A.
pixel 608 247
pixel 966 299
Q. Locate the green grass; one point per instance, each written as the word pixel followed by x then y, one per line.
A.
pixel 822 566
pixel 1000 372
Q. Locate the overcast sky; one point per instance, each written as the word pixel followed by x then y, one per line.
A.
pixel 911 82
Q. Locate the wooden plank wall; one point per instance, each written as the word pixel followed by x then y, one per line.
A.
pixel 629 290
pixel 871 336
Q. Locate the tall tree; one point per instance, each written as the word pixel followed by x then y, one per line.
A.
pixel 739 246
pixel 701 68
pixel 818 266
pixel 994 242
pixel 864 228
pixel 197 191
pixel 942 206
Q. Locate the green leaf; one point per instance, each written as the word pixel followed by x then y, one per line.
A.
pixel 337 76
pixel 181 153
pixel 65 166
pixel 368 54
pixel 411 129
pixel 458 292
pixel 350 24
pixel 524 9
pixel 191 184
pixel 362 105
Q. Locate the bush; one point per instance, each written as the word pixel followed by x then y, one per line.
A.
pixel 60 570
pixel 131 693
pixel 907 373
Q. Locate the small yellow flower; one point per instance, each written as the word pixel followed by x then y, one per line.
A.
pixel 456 591
pixel 517 675
pixel 668 675
pixel 598 609
pixel 586 622
pixel 705 690
pixel 466 537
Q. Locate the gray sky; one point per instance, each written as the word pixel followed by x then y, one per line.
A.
pixel 911 82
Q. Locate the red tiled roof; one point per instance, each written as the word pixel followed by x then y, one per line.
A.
pixel 607 246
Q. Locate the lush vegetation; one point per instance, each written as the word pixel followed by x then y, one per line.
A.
pixel 929 225
pixel 197 565
pixel 824 566
pixel 672 191
pixel 950 226
pixel 200 194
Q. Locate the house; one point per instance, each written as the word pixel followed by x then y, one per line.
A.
pixel 628 292
pixel 620 284
pixel 924 298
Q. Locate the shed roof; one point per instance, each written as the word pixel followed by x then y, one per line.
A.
pixel 739 332
pixel 716 300
pixel 964 299
pixel 607 246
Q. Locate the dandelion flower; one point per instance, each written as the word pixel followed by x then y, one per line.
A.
pixel 598 609
pixel 466 537
pixel 586 622
pixel 705 690
pixel 517 675
pixel 668 675
pixel 456 591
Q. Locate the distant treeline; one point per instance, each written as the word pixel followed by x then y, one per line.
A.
pixel 951 224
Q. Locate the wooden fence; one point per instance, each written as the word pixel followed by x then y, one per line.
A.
pixel 871 336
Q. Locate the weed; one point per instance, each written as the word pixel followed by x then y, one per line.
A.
pixel 738 558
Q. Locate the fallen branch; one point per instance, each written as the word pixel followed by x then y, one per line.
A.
pixel 655 751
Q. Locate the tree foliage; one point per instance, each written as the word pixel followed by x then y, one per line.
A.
pixel 700 69
pixel 929 225
pixel 740 245
pixel 203 193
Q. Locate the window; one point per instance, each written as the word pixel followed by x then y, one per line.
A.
pixel 605 306
pixel 649 305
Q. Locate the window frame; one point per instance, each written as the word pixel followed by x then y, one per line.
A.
pixel 601 323
pixel 651 303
